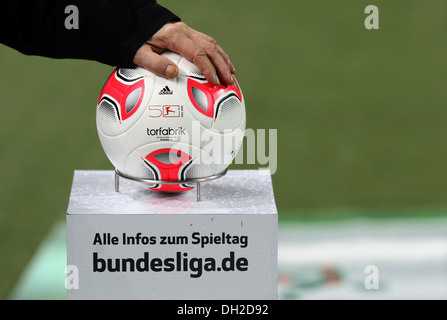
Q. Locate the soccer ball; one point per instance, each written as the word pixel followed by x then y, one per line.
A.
pixel 169 129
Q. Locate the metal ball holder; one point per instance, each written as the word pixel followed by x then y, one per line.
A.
pixel 196 181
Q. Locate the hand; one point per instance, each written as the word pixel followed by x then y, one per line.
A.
pixel 195 46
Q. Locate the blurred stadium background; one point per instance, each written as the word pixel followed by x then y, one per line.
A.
pixel 362 159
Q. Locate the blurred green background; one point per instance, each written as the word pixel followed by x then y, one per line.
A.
pixel 361 114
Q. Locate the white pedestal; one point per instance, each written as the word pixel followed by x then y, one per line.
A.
pixel 138 244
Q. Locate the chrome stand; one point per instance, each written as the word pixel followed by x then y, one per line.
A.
pixel 196 181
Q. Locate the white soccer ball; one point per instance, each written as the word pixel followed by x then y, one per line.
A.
pixel 169 130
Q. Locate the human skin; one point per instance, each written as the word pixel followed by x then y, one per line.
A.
pixel 195 46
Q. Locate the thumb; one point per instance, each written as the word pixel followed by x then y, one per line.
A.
pixel 162 66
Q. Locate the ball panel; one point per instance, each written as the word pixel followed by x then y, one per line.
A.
pixel 108 115
pixel 229 114
pixel 132 100
pixel 129 100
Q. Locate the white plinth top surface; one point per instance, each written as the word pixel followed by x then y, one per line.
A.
pixel 238 192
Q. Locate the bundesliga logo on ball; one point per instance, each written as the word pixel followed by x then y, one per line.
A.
pixel 169 129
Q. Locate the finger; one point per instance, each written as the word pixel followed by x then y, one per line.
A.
pixel 211 42
pixel 162 66
pixel 217 55
pixel 195 53
pixel 222 65
pixel 227 59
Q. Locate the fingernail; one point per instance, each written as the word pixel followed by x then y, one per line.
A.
pixel 216 80
pixel 230 77
pixel 171 71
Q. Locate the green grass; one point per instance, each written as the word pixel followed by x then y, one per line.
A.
pixel 360 114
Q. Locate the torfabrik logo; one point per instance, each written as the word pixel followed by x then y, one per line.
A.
pixel 180 131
